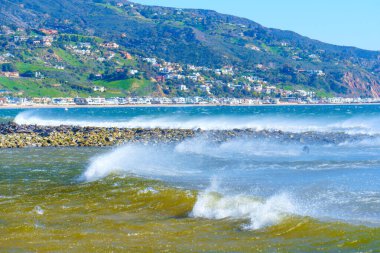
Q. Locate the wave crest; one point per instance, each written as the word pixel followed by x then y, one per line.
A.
pixel 353 125
pixel 211 204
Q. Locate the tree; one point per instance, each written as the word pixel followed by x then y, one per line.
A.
pixel 28 74
pixel 8 67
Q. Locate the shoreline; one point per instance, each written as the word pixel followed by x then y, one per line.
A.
pixel 41 106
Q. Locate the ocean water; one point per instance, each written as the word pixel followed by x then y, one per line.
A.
pixel 241 195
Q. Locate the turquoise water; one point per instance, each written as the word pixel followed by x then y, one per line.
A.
pixel 245 194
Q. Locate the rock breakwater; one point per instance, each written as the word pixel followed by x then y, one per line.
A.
pixel 19 136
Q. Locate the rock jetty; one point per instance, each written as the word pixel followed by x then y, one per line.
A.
pixel 20 136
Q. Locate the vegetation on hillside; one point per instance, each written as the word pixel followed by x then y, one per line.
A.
pixel 187 37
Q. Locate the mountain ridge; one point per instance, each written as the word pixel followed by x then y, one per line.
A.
pixel 206 38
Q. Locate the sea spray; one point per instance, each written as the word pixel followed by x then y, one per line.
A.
pixel 150 161
pixel 240 146
pixel 272 122
pixel 263 182
pixel 211 204
pixel 38 210
pixel 189 157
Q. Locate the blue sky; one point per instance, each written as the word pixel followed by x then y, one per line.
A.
pixel 340 22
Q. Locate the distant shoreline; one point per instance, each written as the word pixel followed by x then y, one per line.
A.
pixel 40 106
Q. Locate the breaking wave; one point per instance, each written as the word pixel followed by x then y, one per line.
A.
pixel 211 204
pixel 264 181
pixel 136 159
pixel 188 157
pixel 353 125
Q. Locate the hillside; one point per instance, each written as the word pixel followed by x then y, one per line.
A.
pixel 211 43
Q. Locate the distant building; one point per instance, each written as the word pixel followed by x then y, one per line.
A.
pixel 110 45
pixel 43 100
pixel 133 71
pixel 179 100
pixel 80 101
pixel 150 60
pixel 10 74
pixel 253 47
pixel 183 87
pixel 47 44
pixel 99 89
pixel 205 88
pixel 85 45
pixel 96 101
pixel 258 88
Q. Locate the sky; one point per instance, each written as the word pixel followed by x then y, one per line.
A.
pixel 341 22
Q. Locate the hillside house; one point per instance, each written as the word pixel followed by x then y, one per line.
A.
pixel 47 44
pixel 150 60
pixel 183 87
pixel 258 88
pixel 99 89
pixel 10 74
pixel 133 71
pixel 20 38
pixel 270 89
pixel 110 45
pixel 205 88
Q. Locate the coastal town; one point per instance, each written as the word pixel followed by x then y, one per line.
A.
pixel 157 101
pixel 61 69
pixel 169 83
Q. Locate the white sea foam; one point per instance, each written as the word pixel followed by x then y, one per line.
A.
pixel 137 159
pixel 354 125
pixel 178 160
pixel 189 157
pixel 247 164
pixel 38 210
pixel 148 190
pixel 211 204
pixel 240 146
pixel 367 142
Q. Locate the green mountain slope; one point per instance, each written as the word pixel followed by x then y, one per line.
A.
pixel 202 38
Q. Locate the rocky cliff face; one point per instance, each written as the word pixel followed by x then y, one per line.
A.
pixel 361 84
